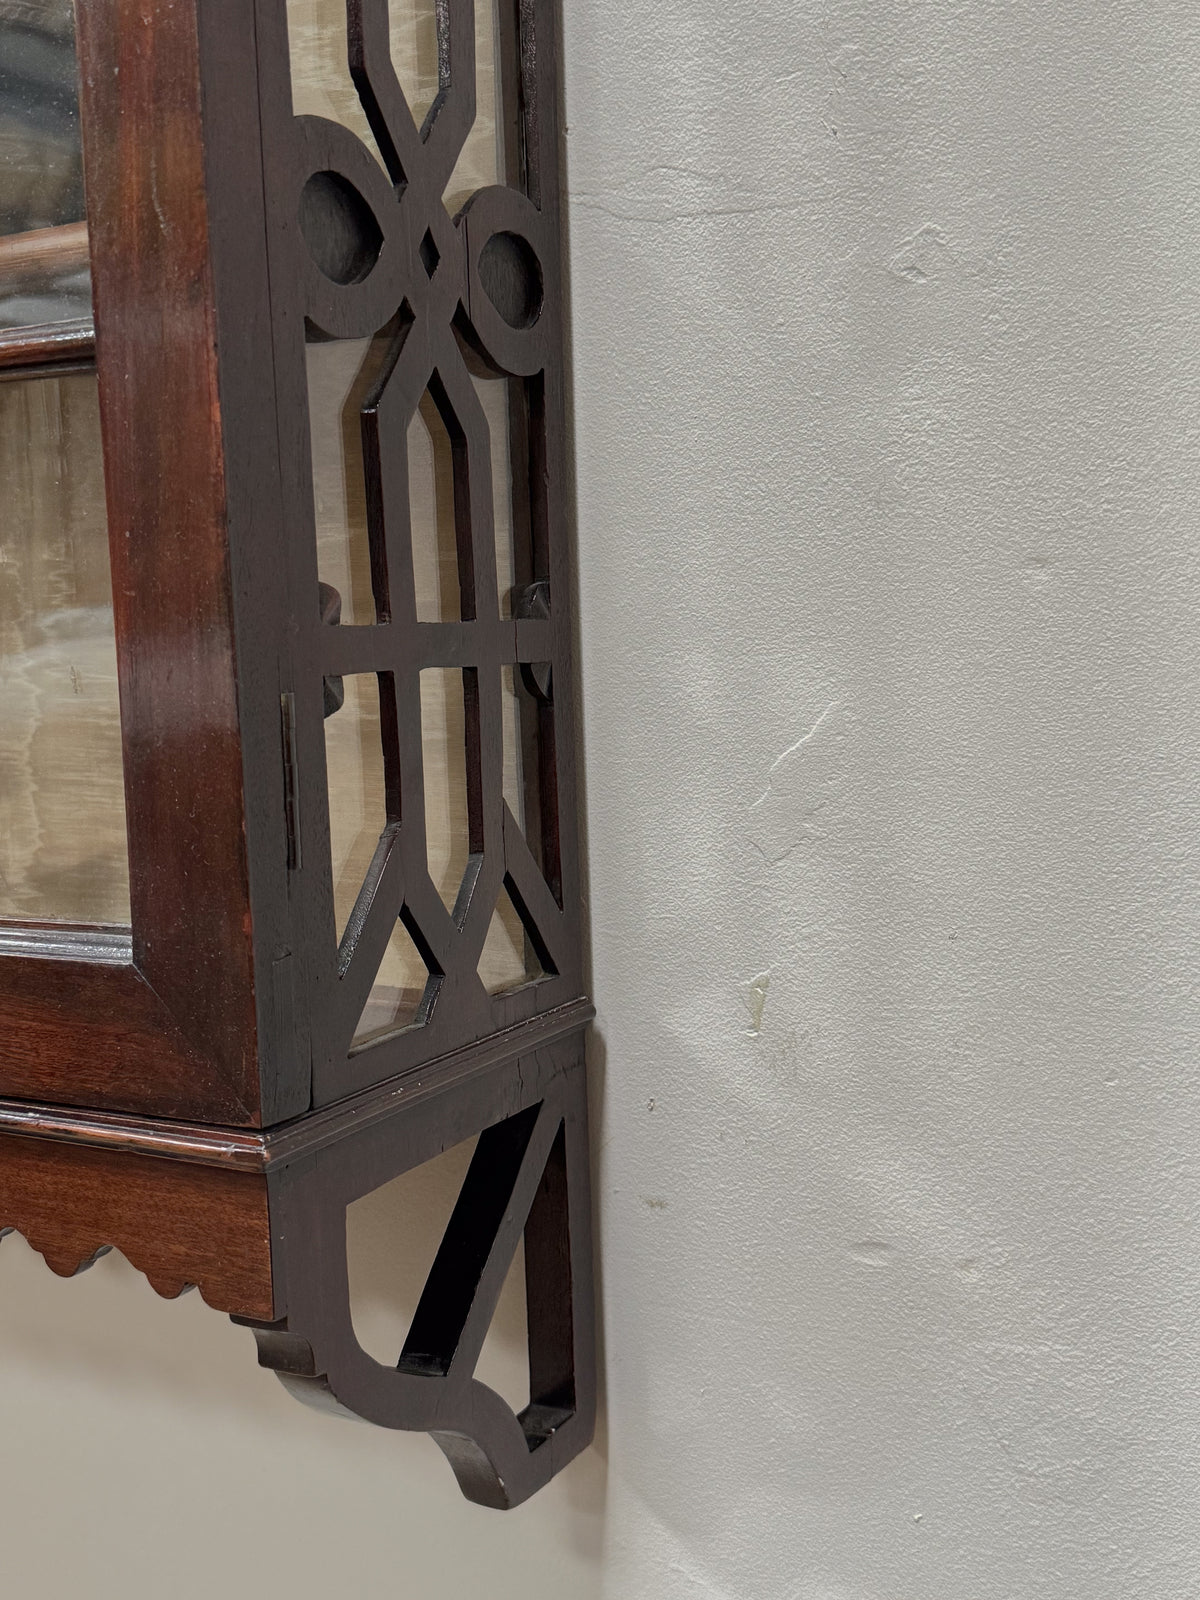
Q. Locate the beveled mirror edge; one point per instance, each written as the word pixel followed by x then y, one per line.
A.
pixel 68 941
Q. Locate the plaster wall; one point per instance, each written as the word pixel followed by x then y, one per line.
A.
pixel 887 357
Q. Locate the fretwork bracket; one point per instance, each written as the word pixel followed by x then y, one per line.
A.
pixel 258 1221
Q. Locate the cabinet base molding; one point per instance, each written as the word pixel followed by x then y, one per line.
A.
pixel 181 1227
pixel 257 1221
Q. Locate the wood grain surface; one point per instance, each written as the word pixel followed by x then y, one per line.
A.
pixel 179 1225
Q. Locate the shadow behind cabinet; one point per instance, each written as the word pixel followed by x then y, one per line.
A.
pixel 289 887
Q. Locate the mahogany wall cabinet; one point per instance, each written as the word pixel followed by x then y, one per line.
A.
pixel 289 877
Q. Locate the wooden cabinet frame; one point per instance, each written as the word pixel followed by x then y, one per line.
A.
pixel 203 1069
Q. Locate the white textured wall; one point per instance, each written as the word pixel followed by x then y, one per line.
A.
pixel 888 386
pixel 887 323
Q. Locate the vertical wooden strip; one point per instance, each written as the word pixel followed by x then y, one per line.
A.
pixel 156 340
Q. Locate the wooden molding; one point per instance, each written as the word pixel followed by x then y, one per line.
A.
pixel 211 1229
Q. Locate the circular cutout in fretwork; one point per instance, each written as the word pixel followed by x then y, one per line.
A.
pixel 512 279
pixel 339 228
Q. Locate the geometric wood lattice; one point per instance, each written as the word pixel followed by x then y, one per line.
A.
pixel 431 308
pixel 442 302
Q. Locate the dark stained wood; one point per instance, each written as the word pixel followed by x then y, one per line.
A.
pixel 144 150
pixel 177 1225
pixel 94 1032
pixel 256 465
pixel 236 1149
pixel 529 1175
pixel 175 1032
pixel 430 285
pixel 237 1233
pixel 287 1141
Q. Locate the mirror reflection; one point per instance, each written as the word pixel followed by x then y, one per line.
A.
pixel 43 238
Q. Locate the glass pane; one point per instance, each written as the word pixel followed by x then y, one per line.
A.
pixel 493 397
pixel 339 377
pixel 444 752
pixel 358 815
pixel 397 996
pixel 482 159
pixel 43 240
pixel 431 504
pixel 63 852
pixel 509 958
pixel 357 793
pixel 322 86
pixel 321 82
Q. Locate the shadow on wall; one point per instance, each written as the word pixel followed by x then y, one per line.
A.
pixel 392 1238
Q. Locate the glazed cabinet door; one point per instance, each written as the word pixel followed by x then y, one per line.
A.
pixel 140 968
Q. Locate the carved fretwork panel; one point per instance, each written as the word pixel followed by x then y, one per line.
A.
pixel 416 278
